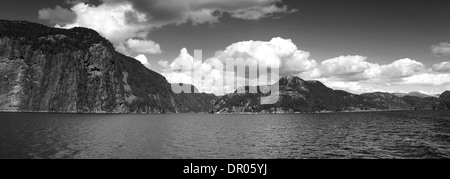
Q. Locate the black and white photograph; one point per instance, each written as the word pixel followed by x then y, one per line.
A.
pixel 224 79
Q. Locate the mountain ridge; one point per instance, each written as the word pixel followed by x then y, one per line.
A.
pixel 415 94
pixel 300 96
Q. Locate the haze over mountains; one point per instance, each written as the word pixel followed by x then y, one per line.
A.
pixel 44 69
pixel 415 94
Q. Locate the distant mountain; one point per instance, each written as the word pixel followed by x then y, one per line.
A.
pixel 77 70
pixel 298 95
pixel 195 102
pixel 418 103
pixel 415 94
pixel 387 100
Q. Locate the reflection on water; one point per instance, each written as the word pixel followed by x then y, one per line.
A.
pixel 407 134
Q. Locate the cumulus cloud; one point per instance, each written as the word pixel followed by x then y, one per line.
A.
pixel 356 68
pixel 188 70
pixel 441 49
pixel 344 67
pixel 143 59
pixel 355 74
pixel 143 46
pixel 402 68
pixel 442 67
pixel 185 62
pixel 277 53
pixel 58 15
pixel 435 79
pixel 109 21
pixel 349 86
pixel 119 23
pixel 163 63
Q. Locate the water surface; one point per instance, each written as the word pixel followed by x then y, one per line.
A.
pixel 401 134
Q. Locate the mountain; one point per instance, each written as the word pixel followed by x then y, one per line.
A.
pixel 444 100
pixel 77 70
pixel 387 100
pixel 429 103
pixel 415 94
pixel 418 103
pixel 298 95
pixel 195 102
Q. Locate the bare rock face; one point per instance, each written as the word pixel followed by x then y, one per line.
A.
pixel 64 81
pixel 55 70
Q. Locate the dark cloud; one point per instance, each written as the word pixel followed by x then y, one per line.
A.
pixel 58 15
pixel 442 49
pixel 180 11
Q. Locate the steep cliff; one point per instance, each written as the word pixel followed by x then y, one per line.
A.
pixel 76 70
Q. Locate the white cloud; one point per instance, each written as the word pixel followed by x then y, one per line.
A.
pixel 184 62
pixel 441 49
pixel 143 46
pixel 143 59
pixel 278 53
pixel 163 63
pixel 344 67
pixel 442 67
pixel 110 21
pixel 435 79
pixel 356 68
pixel 402 68
pixel 352 87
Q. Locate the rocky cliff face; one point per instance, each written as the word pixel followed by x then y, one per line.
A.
pixel 77 70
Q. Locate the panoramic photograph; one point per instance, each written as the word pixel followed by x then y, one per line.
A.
pixel 224 79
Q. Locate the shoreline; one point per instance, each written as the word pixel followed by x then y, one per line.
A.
pixel 328 112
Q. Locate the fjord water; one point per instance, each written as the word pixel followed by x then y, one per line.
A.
pixel 400 134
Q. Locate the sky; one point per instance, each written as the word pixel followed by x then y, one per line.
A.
pixel 358 46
